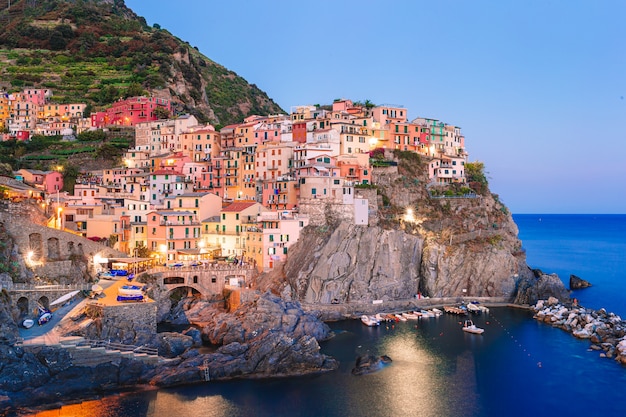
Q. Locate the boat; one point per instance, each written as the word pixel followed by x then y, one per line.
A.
pixel 129 293
pixel 427 314
pixel 44 318
pixel 138 297
pixel 473 308
pixel 369 320
pixel 65 298
pixel 437 312
pixel 476 308
pixel 129 290
pixel 455 310
pixel 470 327
pixel 28 323
pixel 411 316
pixel 391 317
pixel 400 317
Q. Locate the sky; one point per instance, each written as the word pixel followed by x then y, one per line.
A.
pixel 538 87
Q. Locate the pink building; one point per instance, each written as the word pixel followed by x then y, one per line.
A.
pixel 48 181
pixel 131 111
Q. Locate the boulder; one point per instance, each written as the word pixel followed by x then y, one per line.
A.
pixel 576 283
pixel 173 344
pixel 366 364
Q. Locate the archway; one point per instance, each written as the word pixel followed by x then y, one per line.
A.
pixel 182 292
pixel 44 302
pixel 22 306
pixel 54 251
pixel 173 280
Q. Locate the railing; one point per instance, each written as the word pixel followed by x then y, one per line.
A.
pixel 118 346
pixel 32 287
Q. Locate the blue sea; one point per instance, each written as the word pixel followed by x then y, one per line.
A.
pixel 518 367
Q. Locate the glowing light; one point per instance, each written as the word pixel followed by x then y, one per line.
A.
pixel 409 217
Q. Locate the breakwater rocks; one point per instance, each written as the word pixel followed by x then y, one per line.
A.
pixel 604 330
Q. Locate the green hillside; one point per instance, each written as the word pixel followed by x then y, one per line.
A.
pixel 99 50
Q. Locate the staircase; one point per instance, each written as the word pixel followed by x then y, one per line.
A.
pixel 92 353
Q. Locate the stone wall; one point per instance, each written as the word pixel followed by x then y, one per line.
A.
pixel 56 255
pixel 133 323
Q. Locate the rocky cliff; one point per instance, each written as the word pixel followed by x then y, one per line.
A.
pixel 428 240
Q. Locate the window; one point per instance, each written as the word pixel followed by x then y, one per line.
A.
pixel 313 191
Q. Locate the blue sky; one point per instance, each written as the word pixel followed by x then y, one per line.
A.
pixel 537 86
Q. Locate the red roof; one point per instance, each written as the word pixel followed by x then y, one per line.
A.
pixel 166 172
pixel 239 206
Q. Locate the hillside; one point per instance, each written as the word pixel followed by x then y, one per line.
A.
pixel 100 50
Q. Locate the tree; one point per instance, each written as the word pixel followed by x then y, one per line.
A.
pixel 161 113
pixel 134 90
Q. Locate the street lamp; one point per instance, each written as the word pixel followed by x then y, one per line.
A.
pixel 60 224
pixel 163 250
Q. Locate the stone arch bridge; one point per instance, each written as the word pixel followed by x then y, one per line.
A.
pixel 27 297
pixel 208 280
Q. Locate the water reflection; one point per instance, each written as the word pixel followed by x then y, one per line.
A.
pixel 437 370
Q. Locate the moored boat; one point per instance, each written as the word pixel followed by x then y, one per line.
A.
pixel 129 290
pixel 369 320
pixel 400 317
pixel 410 316
pixel 28 323
pixel 44 318
pixel 470 327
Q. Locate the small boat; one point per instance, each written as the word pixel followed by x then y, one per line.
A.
pixel 369 320
pixel 455 310
pixel 400 317
pixel 65 298
pixel 427 314
pixel 44 318
pixel 470 327
pixel 473 308
pixel 391 317
pixel 28 323
pixel 129 290
pixel 410 316
pixel 437 312
pixel 138 297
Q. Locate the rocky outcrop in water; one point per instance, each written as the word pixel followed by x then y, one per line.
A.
pixel 366 364
pixel 606 331
pixel 577 283
pixel 538 286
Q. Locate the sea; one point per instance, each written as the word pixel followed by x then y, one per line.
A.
pixel 518 367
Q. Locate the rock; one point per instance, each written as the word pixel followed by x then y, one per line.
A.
pixel 531 289
pixel 576 283
pixel 196 336
pixel 366 364
pixel 173 344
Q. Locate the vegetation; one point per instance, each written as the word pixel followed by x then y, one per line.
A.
pixel 99 52
pixel 475 175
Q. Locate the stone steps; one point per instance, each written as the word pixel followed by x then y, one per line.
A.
pixel 85 355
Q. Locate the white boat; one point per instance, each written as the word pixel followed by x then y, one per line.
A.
pixel 369 320
pixel 44 318
pixel 473 308
pixel 410 316
pixel 470 327
pixel 437 312
pixel 129 290
pixel 63 299
pixel 28 323
pixel 427 314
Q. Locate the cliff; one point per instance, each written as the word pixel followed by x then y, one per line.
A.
pixel 427 240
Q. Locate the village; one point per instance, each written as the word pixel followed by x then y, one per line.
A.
pixel 188 193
